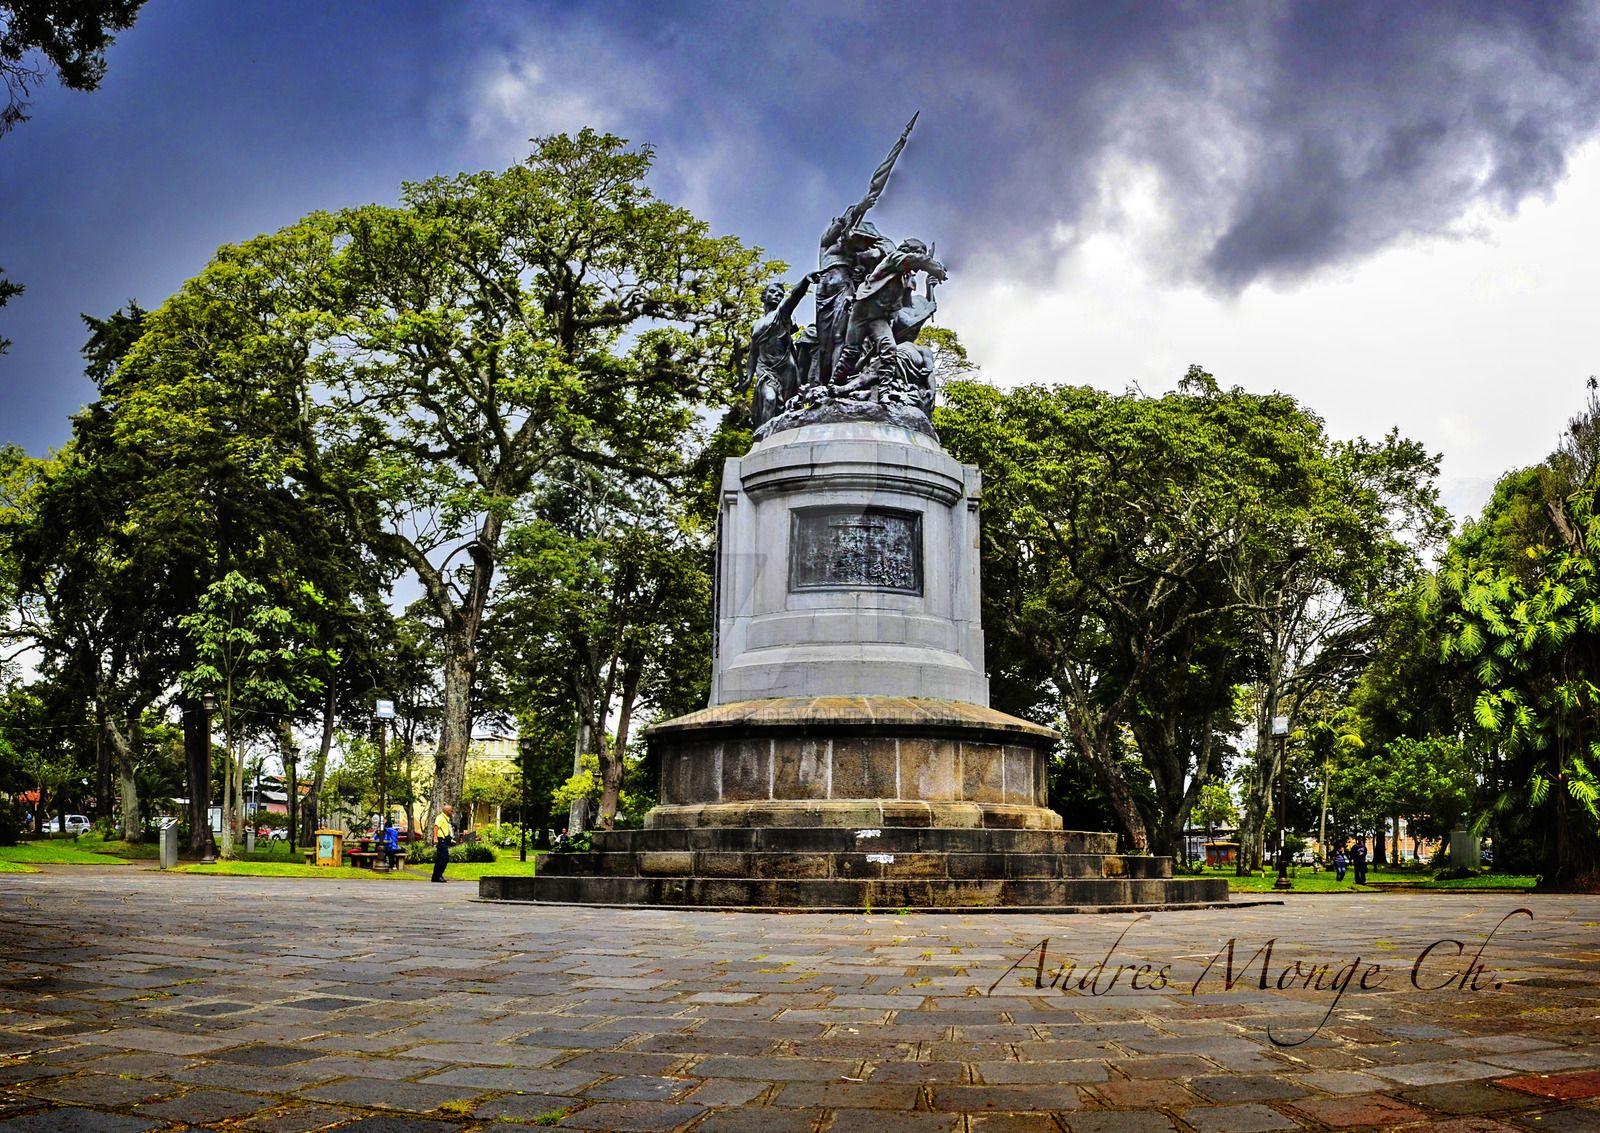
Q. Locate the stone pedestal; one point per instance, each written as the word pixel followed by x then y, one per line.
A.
pixel 847 565
pixel 848 757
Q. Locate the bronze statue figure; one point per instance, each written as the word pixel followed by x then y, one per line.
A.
pixel 859 359
pixel 771 370
pixel 869 336
pixel 846 241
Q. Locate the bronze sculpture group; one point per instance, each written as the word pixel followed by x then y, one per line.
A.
pixel 862 345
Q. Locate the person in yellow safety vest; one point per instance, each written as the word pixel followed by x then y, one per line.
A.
pixel 443 835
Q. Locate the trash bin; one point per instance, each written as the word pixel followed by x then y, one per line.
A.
pixel 1465 850
pixel 249 839
pixel 169 843
pixel 330 846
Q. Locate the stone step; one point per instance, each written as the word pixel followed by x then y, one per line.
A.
pixel 833 839
pixel 1086 894
pixel 854 864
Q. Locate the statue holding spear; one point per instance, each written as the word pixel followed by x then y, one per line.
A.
pixel 850 247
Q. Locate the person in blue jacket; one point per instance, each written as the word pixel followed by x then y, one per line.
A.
pixel 390 840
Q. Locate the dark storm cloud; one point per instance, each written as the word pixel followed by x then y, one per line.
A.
pixel 1286 137
pixel 1283 137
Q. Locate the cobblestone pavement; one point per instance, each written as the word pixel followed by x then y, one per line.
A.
pixel 136 1000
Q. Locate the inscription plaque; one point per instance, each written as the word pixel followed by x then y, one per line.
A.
pixel 857 548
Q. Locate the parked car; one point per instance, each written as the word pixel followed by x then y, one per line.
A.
pixel 1303 858
pixel 278 835
pixel 73 824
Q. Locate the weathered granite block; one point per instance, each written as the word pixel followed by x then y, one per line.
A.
pixel 710 863
pixel 901 813
pixel 930 768
pixel 801 771
pixel 1018 774
pixel 790 866
pixel 679 863
pixel 864 768
pixel 689 773
pixel 747 769
pixel 982 772
pixel 910 866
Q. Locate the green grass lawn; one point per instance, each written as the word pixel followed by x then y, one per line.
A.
pixel 15 867
pixel 249 868
pixel 52 852
pixel 274 861
pixel 1482 881
pixel 507 866
pixel 1307 882
pixel 143 851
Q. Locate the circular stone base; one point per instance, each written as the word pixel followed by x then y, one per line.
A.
pixel 852 761
pixel 839 410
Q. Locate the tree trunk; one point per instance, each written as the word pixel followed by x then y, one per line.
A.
pixel 1380 845
pixel 240 817
pixel 102 765
pixel 228 800
pixel 288 757
pixel 578 812
pixel 123 749
pixel 1118 795
pixel 613 765
pixel 197 768
pixel 455 732
pixel 312 817
pixel 410 757
pixel 1322 822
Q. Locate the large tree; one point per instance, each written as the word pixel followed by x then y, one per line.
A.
pixel 491 327
pixel 1335 537
pixel 1143 557
pixel 1106 519
pixel 608 601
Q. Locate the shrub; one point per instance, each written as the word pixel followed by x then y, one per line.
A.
pixel 10 827
pixel 502 834
pixel 420 854
pixel 477 852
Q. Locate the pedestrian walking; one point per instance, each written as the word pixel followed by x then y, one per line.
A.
pixel 1359 856
pixel 390 841
pixel 1340 864
pixel 443 835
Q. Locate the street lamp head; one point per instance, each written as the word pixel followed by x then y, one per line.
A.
pixel 1280 725
pixel 209 701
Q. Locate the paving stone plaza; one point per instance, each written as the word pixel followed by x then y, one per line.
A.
pixel 141 1001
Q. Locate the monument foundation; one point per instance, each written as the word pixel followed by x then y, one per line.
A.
pixel 848 758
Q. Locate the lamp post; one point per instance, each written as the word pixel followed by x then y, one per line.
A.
pixel 209 854
pixel 291 808
pixel 383 712
pixel 1280 731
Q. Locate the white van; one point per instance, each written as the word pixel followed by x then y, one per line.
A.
pixel 73 824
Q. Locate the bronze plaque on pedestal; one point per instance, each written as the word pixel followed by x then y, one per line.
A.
pixel 850 547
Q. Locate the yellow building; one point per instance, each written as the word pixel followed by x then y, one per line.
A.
pixel 491 757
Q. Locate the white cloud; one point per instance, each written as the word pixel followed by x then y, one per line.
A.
pixel 529 84
pixel 1476 344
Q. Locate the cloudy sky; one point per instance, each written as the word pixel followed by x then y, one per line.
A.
pixel 1391 211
